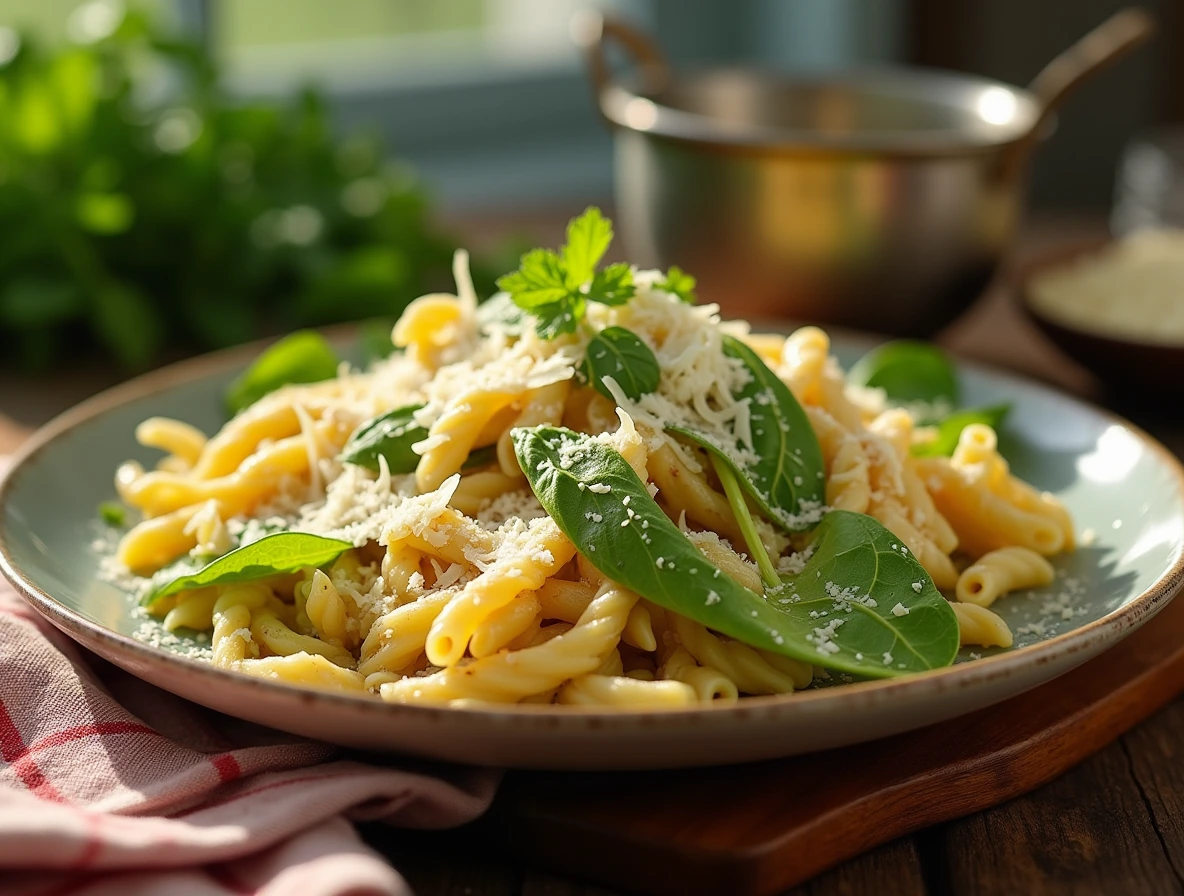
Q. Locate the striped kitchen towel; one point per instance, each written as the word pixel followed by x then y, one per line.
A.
pixel 109 785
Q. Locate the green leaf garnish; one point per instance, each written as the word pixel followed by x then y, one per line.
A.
pixel 613 285
pixel 620 353
pixel 555 287
pixel 480 457
pixel 783 472
pixel 909 372
pixel 864 601
pixel 540 281
pixel 271 555
pixel 388 435
pixel 303 357
pixel 588 238
pixel 840 611
pixel 678 282
pixel 949 430
pixel 113 513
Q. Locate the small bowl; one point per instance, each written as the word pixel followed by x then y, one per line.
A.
pixel 1118 362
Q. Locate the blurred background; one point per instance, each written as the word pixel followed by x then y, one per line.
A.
pixel 181 175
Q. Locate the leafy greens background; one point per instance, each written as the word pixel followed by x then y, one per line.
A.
pixel 145 211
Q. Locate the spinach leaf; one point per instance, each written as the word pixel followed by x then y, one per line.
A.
pixel 391 435
pixel 302 357
pixel 678 282
pixel 786 478
pixel 909 372
pixel 860 604
pixel 388 435
pixel 271 555
pixel 950 429
pixel 866 603
pixel 480 457
pixel 619 353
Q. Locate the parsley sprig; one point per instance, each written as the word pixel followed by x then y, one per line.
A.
pixel 555 287
pixel 678 282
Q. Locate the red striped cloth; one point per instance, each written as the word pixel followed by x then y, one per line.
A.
pixel 109 785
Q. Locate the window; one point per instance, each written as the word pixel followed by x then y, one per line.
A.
pixel 361 44
pixel 489 99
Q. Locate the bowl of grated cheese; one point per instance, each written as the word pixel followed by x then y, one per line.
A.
pixel 1117 309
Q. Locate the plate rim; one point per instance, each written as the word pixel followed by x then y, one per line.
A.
pixel 1112 627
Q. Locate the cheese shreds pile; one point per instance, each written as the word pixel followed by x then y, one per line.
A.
pixel 1132 289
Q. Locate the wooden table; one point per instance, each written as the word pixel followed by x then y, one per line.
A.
pixel 1113 825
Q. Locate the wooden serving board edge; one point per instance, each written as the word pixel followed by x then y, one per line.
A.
pixel 622 830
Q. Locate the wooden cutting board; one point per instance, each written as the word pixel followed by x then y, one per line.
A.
pixel 760 828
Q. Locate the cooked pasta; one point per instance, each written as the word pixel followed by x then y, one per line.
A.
pixel 1006 569
pixel 453 581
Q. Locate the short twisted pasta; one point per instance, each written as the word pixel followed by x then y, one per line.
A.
pixel 981 627
pixel 456 432
pixel 509 677
pixel 1006 569
pixel 750 669
pixel 624 692
pixel 710 684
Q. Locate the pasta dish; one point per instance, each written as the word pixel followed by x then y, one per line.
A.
pixel 586 490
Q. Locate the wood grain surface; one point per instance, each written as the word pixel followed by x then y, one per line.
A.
pixel 763 827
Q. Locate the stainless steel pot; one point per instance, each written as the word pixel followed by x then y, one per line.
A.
pixel 879 199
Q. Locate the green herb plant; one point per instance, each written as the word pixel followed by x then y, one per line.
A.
pixel 147 212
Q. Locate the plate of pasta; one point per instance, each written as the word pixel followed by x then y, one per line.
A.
pixel 588 524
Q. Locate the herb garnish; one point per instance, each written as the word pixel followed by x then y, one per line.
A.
pixel 555 287
pixel 281 552
pixel 949 430
pixel 922 378
pixel 388 435
pixel 910 373
pixel 678 282
pixel 113 513
pixel 303 357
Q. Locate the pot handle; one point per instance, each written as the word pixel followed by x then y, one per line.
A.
pixel 1112 40
pixel 594 32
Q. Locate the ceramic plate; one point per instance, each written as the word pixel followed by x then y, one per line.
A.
pixel 1122 487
